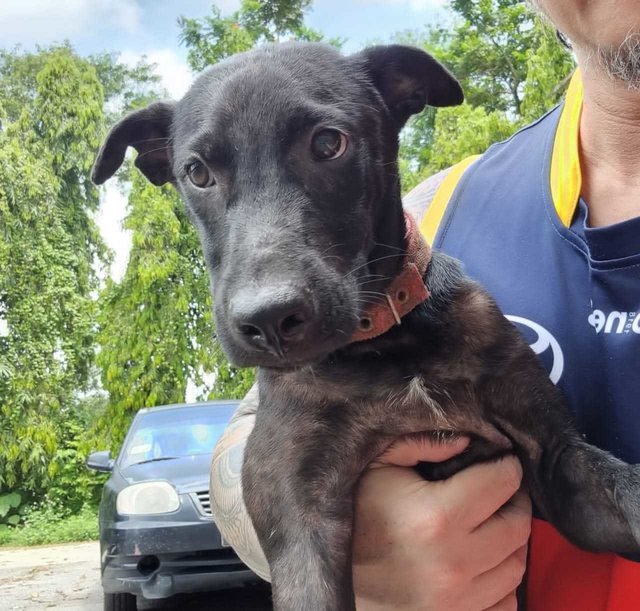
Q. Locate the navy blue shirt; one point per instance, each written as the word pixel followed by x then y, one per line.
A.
pixel 574 293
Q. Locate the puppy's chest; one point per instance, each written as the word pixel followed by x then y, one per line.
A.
pixel 392 401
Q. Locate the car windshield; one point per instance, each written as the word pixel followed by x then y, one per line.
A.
pixel 172 433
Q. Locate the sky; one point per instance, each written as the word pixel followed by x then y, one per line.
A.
pixel 136 28
pixel 149 27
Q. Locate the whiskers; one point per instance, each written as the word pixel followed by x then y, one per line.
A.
pixel 402 250
pixel 326 257
pixel 359 267
pixel 371 297
pixel 369 278
pixel 167 143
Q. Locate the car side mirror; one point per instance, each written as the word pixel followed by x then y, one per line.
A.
pixel 100 461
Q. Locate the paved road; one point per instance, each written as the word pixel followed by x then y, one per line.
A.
pixel 67 577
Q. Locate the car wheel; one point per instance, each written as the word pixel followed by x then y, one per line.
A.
pixel 121 601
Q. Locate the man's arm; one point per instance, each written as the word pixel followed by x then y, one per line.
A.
pixel 418 200
pixel 227 504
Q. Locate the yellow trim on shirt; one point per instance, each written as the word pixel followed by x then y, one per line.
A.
pixel 565 176
pixel 433 216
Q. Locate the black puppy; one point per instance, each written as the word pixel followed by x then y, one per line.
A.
pixel 287 160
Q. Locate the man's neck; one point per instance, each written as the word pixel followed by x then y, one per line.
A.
pixel 609 148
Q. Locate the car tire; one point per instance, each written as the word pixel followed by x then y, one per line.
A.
pixel 120 601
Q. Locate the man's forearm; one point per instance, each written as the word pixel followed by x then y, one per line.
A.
pixel 227 504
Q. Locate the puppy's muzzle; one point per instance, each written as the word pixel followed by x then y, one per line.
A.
pixel 276 319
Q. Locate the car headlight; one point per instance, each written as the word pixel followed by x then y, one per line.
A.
pixel 147 498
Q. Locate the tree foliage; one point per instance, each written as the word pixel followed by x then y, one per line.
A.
pixel 549 67
pixel 51 251
pixel 512 69
pixel 215 37
pixel 488 51
pixel 125 87
pixel 155 324
pixel 50 243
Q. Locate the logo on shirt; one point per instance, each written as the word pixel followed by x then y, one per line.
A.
pixel 543 344
pixel 615 322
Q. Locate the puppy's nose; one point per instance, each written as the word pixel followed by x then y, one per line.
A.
pixel 271 320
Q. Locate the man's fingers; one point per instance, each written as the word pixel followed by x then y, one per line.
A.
pixel 505 532
pixel 474 494
pixel 408 451
pixel 519 503
pixel 509 603
pixel 501 581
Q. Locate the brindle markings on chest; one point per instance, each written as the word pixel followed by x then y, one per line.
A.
pixel 430 384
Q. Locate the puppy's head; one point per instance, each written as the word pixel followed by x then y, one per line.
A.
pixel 286 157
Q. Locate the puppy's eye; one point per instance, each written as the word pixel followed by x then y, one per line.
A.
pixel 328 144
pixel 200 175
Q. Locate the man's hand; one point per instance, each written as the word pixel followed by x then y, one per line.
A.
pixel 453 545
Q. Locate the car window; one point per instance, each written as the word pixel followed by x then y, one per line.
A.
pixel 174 433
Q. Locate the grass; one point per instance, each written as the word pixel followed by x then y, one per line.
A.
pixel 47 524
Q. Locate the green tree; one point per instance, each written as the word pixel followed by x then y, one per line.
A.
pixel 512 68
pixel 215 37
pixel 488 51
pixel 156 324
pixel 549 67
pixel 125 87
pixel 466 131
pixel 52 120
pixel 48 244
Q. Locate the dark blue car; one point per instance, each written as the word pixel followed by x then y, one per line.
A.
pixel 157 536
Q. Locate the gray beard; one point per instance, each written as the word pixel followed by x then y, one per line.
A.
pixel 622 63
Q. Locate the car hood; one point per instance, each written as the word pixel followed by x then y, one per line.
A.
pixel 187 473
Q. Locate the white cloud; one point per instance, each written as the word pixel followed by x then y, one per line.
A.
pixel 174 72
pixel 227 6
pixel 44 21
pixel 421 5
pixel 414 5
pixel 176 79
pixel 193 392
pixel 113 209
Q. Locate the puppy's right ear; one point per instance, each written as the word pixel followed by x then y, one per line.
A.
pixel 409 79
pixel 146 130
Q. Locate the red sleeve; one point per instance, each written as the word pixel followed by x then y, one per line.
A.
pixel 562 577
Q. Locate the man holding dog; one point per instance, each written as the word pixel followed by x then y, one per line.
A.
pixel 556 208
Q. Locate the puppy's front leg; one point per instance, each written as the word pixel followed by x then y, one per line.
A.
pixel 298 485
pixel 589 495
pixel 593 497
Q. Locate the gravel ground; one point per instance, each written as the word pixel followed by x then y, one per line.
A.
pixel 67 577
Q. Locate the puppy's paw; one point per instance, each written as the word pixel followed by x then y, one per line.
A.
pixel 627 495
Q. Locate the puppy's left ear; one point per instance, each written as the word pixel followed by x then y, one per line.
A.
pixel 409 79
pixel 147 130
